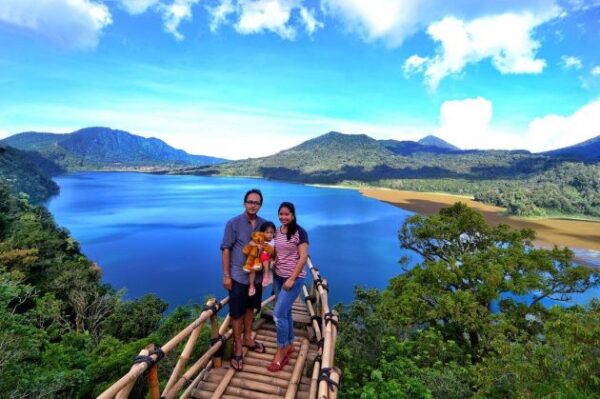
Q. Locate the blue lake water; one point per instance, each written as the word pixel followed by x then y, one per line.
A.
pixel 161 234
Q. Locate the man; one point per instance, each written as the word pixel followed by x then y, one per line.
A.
pixel 236 280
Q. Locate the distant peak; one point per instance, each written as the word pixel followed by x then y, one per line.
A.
pixel 435 141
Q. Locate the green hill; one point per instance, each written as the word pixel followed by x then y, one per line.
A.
pixel 434 141
pixel 526 184
pixel 588 150
pixel 100 148
pixel 335 157
pixel 27 173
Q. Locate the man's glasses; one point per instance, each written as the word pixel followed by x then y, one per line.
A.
pixel 250 202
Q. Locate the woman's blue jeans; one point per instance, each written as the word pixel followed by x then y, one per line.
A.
pixel 282 315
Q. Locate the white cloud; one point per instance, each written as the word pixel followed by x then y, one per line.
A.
pixel 414 64
pixel 310 22
pixel 174 13
pixel 556 131
pixel 570 62
pixel 595 70
pixel 138 6
pixel 281 17
pixel 388 20
pixel 468 124
pixel 218 14
pixel 465 123
pixel 67 23
pixel 257 16
pixel 393 21
pixel 511 50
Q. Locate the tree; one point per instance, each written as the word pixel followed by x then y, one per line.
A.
pixel 470 320
pixel 468 268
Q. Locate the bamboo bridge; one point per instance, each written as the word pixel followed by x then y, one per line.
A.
pixel 310 373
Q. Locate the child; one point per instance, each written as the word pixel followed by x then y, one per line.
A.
pixel 268 230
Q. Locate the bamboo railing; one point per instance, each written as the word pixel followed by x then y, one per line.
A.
pixel 324 382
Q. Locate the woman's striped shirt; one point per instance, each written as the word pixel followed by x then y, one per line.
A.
pixel 287 253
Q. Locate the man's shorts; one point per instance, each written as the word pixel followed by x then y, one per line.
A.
pixel 240 301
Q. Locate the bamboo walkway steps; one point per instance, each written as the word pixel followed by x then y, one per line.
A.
pixel 309 374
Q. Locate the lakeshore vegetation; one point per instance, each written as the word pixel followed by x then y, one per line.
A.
pixel 63 333
pixel 468 322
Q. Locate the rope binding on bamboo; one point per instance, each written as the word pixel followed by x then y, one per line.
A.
pixel 325 375
pixel 149 360
pixel 214 307
pixel 329 318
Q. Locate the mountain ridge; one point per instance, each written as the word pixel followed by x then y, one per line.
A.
pixel 101 148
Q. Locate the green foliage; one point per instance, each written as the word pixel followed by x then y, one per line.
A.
pixel 135 319
pixel 571 188
pixel 62 333
pixel 453 326
pixel 22 173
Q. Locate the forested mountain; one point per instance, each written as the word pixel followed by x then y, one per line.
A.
pixel 526 184
pixel 28 173
pixel 99 148
pixel 336 157
pixel 588 150
pixel 434 141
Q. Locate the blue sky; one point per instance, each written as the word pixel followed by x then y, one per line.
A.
pixel 246 78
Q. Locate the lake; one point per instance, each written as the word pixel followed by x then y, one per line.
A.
pixel 161 234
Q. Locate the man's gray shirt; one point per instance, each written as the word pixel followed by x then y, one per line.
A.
pixel 236 237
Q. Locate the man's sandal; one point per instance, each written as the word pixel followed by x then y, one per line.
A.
pixel 239 362
pixel 257 347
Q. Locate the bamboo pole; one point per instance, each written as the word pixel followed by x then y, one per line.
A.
pixel 314 381
pixel 298 367
pixel 152 376
pixel 227 377
pixel 186 353
pixel 336 374
pixel 193 384
pixel 124 393
pixel 206 357
pixel 214 334
pixel 311 312
pixel 328 351
pixel 200 363
pixel 138 369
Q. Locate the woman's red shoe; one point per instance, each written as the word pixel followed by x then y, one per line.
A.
pixel 275 366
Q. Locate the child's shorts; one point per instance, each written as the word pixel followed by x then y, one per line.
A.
pixel 264 256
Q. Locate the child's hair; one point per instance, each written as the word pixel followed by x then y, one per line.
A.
pixel 267 225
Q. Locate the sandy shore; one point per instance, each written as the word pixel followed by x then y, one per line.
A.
pixel 561 232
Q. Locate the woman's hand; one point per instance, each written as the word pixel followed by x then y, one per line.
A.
pixel 289 283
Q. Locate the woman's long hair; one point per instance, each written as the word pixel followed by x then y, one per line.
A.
pixel 293 226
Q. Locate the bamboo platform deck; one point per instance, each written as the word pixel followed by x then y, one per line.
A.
pixel 309 374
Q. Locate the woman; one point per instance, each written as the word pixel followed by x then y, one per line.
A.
pixel 291 248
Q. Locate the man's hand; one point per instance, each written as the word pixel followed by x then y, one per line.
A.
pixel 227 284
